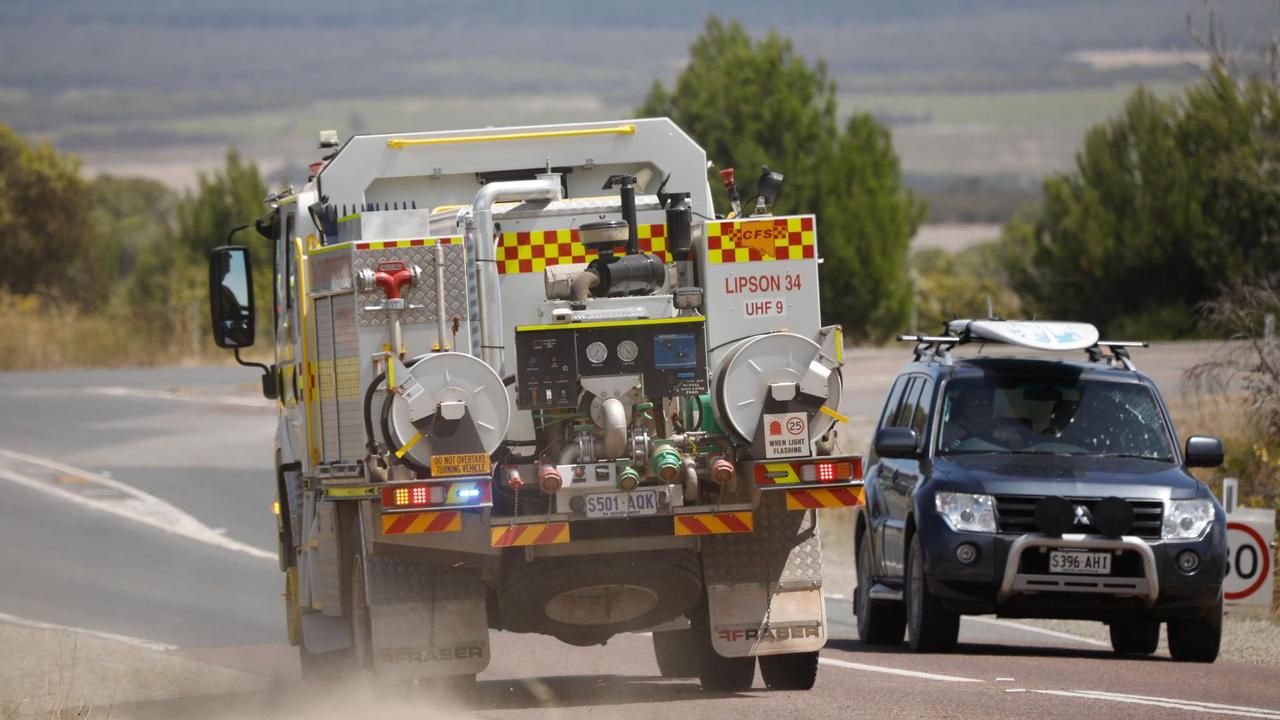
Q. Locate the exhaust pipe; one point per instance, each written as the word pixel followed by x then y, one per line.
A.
pixel 488 296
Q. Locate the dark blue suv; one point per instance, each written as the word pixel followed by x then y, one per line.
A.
pixel 1034 487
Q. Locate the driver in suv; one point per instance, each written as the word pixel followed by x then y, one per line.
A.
pixel 1036 488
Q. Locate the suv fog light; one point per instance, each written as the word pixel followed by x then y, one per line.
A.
pixel 1188 561
pixel 967 553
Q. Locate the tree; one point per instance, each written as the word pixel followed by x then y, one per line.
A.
pixel 171 278
pixel 49 245
pixel 756 102
pixel 1168 201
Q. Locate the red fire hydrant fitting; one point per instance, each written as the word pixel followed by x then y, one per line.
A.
pixel 392 276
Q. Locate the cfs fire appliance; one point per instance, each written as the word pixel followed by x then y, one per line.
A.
pixel 528 382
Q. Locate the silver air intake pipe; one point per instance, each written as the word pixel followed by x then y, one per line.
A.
pixel 488 298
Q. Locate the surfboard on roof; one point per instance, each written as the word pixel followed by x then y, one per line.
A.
pixel 1033 334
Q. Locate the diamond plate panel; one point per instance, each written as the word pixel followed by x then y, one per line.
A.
pixel 393 581
pixel 455 280
pixel 785 548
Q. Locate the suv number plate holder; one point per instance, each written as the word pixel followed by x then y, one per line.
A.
pixel 1080 562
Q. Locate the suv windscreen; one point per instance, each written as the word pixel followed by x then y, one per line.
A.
pixel 1054 416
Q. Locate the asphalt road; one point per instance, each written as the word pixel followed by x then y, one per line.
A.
pixel 137 511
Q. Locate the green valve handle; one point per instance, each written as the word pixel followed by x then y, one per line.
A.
pixel 666 462
pixel 628 479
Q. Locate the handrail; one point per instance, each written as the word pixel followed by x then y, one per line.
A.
pixel 397 143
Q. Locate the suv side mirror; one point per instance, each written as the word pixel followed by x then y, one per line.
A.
pixel 897 442
pixel 1203 451
pixel 231 296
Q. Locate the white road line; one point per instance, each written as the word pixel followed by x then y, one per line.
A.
pixel 1187 705
pixel 894 671
pixel 1220 706
pixel 118 391
pixel 1034 629
pixel 138 506
pixel 37 625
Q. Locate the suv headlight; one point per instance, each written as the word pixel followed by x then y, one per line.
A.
pixel 966 511
pixel 1187 519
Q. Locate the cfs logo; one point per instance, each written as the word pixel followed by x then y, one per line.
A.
pixel 771 634
pixel 759 236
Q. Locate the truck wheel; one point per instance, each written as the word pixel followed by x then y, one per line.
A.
pixel 716 672
pixel 793 671
pixel 879 622
pixel 361 625
pixel 1197 640
pixel 1139 637
pixel 676 652
pixel 322 667
pixel 930 627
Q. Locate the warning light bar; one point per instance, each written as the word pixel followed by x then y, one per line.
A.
pixel 808 472
pixel 416 496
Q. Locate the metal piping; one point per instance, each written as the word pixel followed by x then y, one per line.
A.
pixel 489 299
pixel 614 420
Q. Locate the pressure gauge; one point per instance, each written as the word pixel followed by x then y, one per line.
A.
pixel 627 351
pixel 597 352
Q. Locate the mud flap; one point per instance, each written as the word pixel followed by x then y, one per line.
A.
pixel 764 589
pixel 425 621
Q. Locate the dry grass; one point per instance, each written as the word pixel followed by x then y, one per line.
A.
pixel 40 335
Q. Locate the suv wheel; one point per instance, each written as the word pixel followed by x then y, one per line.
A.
pixel 1139 637
pixel 879 622
pixel 930 627
pixel 1197 640
pixel 793 671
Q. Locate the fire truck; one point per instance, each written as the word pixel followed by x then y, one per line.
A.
pixel 527 380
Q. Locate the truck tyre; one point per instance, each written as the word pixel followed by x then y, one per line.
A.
pixel 634 591
pixel 361 625
pixel 793 671
pixel 676 652
pixel 930 627
pixel 716 672
pixel 1198 639
pixel 1140 637
pixel 879 622
pixel 323 667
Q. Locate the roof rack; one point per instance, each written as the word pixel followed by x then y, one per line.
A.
pixel 1119 356
pixel 1037 335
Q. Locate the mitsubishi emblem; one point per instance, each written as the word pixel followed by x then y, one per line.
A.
pixel 1083 518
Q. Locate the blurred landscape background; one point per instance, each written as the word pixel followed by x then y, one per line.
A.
pixel 1113 162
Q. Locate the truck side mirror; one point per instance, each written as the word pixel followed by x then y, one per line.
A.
pixel 897 442
pixel 231 296
pixel 1203 451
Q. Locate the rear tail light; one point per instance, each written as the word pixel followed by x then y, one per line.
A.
pixel 444 494
pixel 830 471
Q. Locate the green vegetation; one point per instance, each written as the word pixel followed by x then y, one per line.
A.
pixel 1169 202
pixel 756 102
pixel 111 270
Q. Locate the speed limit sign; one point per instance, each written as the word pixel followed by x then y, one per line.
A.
pixel 1249 559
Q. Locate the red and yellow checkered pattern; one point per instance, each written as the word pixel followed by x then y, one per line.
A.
pixel 783 238
pixel 714 523
pixel 824 498
pixel 528 252
pixel 420 242
pixel 532 534
pixel 424 522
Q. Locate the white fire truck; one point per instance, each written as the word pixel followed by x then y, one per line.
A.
pixel 527 381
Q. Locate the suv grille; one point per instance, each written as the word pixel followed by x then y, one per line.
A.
pixel 1016 514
